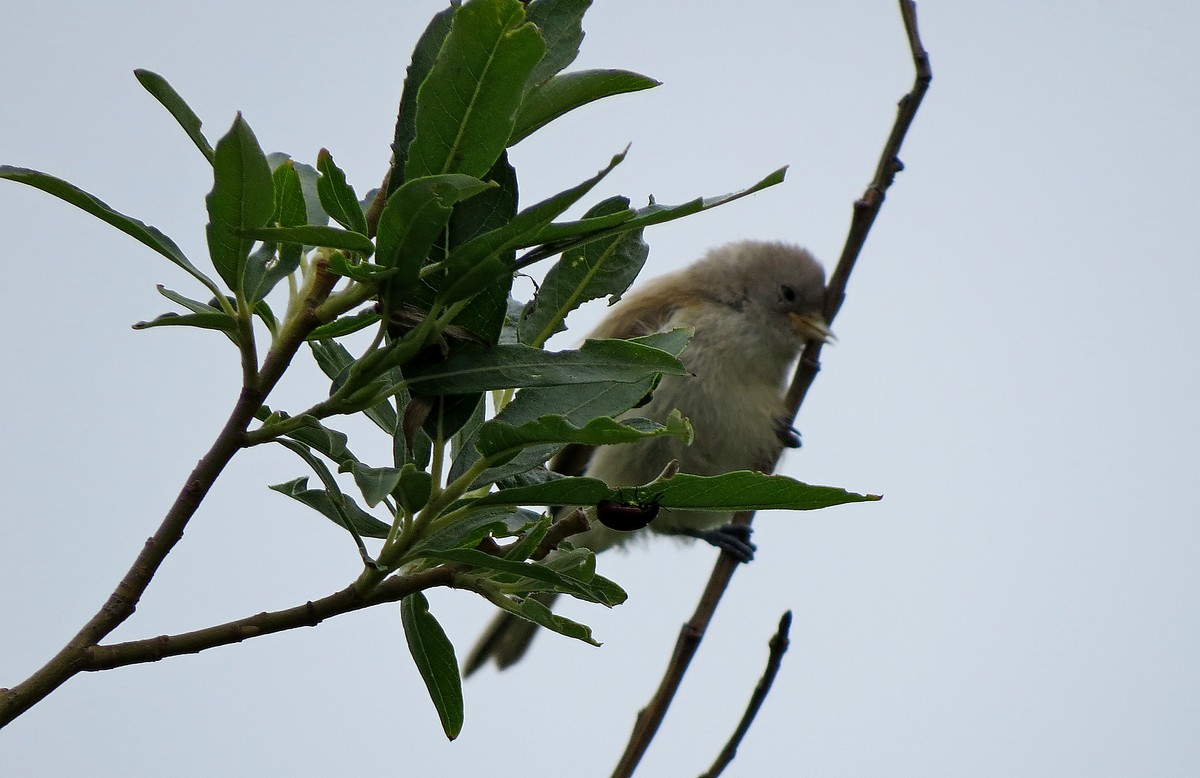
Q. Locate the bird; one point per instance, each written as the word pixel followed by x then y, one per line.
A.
pixel 752 306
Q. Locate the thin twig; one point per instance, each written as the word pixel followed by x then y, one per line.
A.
pixel 865 211
pixel 72 658
pixel 308 614
pixel 778 646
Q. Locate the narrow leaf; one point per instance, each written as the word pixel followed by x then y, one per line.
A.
pixel 737 491
pixel 512 571
pixel 242 197
pixel 335 361
pixel 313 235
pixel 345 325
pixel 653 214
pixel 566 92
pixel 530 609
pixel 500 442
pixel 207 321
pixel 308 175
pixel 423 58
pixel 325 440
pixel 164 93
pixel 434 656
pixel 468 531
pixel 414 217
pixel 337 196
pixel 479 369
pixel 467 105
pixel 594 270
pixel 361 522
pixel 375 483
pixel 140 231
pixel 466 266
pixel 561 25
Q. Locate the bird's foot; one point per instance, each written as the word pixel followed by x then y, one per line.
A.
pixel 733 539
pixel 788 435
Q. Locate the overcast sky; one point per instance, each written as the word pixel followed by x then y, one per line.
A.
pixel 1016 372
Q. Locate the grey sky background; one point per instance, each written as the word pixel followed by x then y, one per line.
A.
pixel 1016 373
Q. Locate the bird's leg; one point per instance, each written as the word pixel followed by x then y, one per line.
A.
pixel 733 539
pixel 788 435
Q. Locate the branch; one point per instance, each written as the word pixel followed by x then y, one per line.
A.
pixel 310 614
pixel 72 658
pixel 865 211
pixel 778 647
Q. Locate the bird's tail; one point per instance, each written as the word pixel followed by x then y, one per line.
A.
pixel 505 640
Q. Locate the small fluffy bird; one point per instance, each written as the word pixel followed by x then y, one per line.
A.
pixel 752 306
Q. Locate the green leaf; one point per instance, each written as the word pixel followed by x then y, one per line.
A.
pixel 195 306
pixel 654 214
pixel 242 197
pixel 558 232
pixel 375 483
pixel 467 105
pixel 335 361
pixel 414 217
pixel 319 500
pixel 561 25
pixel 479 368
pixel 313 235
pixel 500 442
pixel 594 270
pixel 487 211
pixel 327 441
pixel 529 541
pixel 569 91
pixel 512 572
pixel 164 93
pixel 416 487
pixel 424 56
pixel 206 321
pixel 417 213
pixel 144 233
pixel 264 271
pixel 475 264
pixel 530 609
pixel 581 563
pixel 468 531
pixel 742 490
pixel 345 325
pixel 434 656
pixel 580 403
pixel 337 196
pixel 291 209
pixel 308 175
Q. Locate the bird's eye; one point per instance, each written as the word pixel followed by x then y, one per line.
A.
pixel 788 293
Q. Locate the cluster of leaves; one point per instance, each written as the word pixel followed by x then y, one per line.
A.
pixel 429 262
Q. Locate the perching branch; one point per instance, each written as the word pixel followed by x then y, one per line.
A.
pixel 778 647
pixel 865 211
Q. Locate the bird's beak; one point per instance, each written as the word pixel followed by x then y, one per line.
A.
pixel 812 327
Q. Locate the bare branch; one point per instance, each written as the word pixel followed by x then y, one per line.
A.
pixel 778 647
pixel 865 211
pixel 72 658
pixel 310 614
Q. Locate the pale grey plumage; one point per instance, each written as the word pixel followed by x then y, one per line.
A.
pixel 752 306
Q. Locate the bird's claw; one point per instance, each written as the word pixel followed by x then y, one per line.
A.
pixel 788 435
pixel 733 539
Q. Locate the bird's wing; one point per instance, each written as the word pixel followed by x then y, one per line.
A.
pixel 644 312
